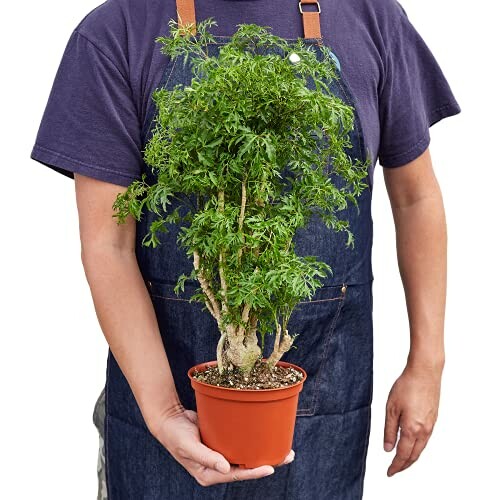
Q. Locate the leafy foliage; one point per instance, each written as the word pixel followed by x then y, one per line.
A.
pixel 255 140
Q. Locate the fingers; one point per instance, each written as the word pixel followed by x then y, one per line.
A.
pixel 391 426
pixel 422 434
pixel 206 457
pixel 412 405
pixel 289 458
pixel 403 452
pixel 420 444
pixel 192 416
pixel 412 441
pixel 207 476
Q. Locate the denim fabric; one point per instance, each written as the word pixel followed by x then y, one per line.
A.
pixel 334 347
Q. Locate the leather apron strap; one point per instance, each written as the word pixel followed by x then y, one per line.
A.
pixel 186 14
pixel 310 19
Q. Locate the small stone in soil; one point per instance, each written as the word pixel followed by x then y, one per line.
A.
pixel 259 378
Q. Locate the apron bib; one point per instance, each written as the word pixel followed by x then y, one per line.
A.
pixel 334 347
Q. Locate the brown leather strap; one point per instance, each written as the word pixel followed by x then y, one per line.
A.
pixel 186 14
pixel 312 29
pixel 310 19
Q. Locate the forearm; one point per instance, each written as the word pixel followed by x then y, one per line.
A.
pixel 128 321
pixel 421 238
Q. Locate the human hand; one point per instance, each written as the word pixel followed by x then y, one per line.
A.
pixel 412 405
pixel 179 434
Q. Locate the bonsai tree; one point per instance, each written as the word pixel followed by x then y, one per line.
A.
pixel 222 146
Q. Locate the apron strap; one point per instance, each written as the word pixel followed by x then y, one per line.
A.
pixel 310 19
pixel 186 14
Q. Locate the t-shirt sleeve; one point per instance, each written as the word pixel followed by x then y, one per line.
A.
pixel 414 93
pixel 90 124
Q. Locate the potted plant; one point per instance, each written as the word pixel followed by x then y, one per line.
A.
pixel 250 147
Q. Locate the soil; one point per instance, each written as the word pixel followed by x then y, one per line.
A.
pixel 259 378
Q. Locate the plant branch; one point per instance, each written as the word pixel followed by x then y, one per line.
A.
pixel 280 347
pixel 220 347
pixel 253 324
pixel 209 307
pixel 242 215
pixel 244 318
pixel 216 310
pixel 277 337
pixel 223 283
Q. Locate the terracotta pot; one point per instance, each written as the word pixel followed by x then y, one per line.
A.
pixel 250 427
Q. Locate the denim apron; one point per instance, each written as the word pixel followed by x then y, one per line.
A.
pixel 334 347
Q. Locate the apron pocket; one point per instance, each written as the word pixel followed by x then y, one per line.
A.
pixel 190 336
pixel 315 321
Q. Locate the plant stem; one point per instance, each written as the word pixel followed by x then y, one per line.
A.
pixel 220 347
pixel 220 195
pixel 277 337
pixel 281 345
pixel 244 318
pixel 223 283
pixel 253 324
pixel 242 215
pixel 222 260
pixel 216 310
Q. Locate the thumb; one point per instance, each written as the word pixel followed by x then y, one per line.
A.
pixel 192 416
pixel 209 458
pixel 391 427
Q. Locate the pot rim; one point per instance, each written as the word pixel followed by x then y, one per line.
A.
pixel 208 364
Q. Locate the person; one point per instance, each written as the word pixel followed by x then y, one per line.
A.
pixel 94 128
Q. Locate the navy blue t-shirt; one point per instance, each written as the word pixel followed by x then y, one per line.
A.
pixel 111 65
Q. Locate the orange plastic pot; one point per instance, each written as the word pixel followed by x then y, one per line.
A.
pixel 250 427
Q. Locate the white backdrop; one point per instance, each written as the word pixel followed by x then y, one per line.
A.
pixel 53 353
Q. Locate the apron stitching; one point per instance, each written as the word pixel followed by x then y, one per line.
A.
pixel 349 98
pixel 163 85
pixel 321 300
pixel 305 412
pixel 349 101
pixel 342 413
pixel 169 298
pixel 301 302
pixel 346 90
pixel 323 357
